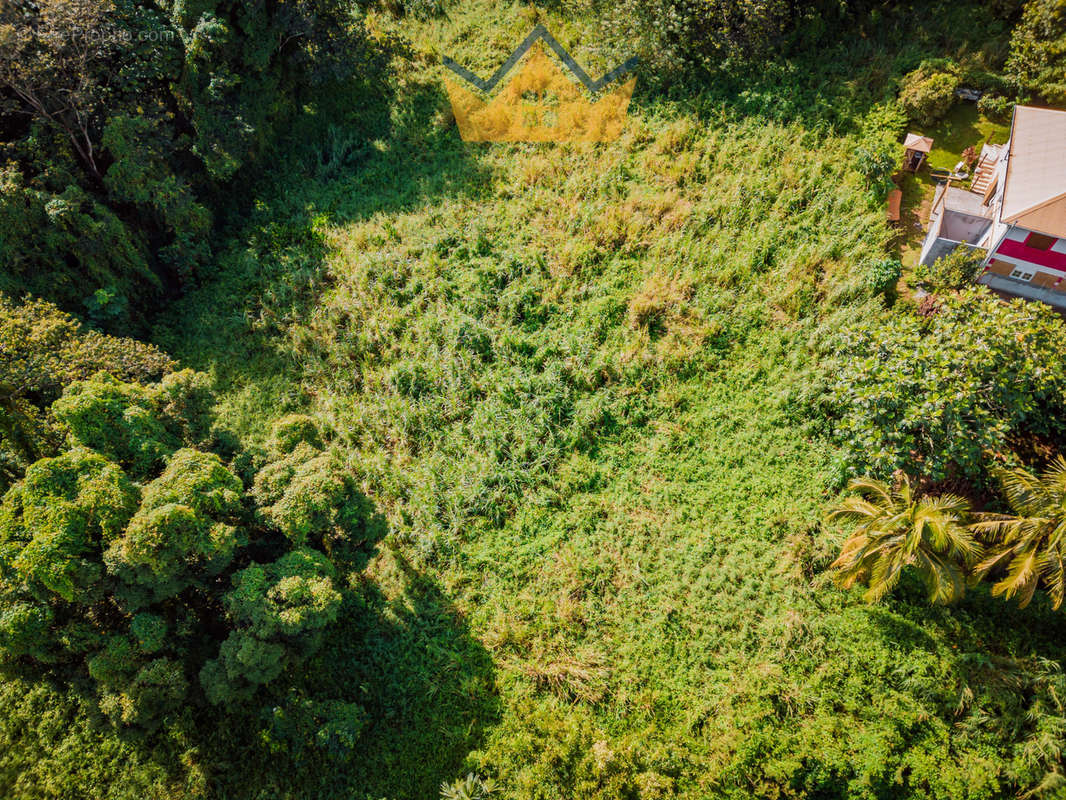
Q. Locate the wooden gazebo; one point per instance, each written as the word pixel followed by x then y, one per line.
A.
pixel 915 150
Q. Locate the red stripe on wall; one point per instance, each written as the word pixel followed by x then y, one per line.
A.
pixel 1045 258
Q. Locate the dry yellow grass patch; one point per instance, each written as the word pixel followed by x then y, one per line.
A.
pixel 667 326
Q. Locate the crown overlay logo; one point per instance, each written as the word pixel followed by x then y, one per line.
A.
pixel 540 104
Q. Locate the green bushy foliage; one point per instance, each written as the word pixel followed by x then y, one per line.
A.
pixel 306 491
pixel 957 270
pixel 126 559
pixel 278 612
pixel 926 94
pixel 301 724
pixel 185 528
pixel 45 223
pixel 44 350
pixel 62 513
pixel 137 424
pixel 877 153
pixel 679 38
pixel 1037 61
pixel 882 276
pixel 117 419
pixel 943 394
pixel 700 35
pixel 996 106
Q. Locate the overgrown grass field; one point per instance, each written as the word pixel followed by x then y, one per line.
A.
pixel 577 381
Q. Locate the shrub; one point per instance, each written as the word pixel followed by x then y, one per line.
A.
pixel 996 107
pixel 306 491
pixel 278 611
pixel 877 153
pixel 927 93
pixel 957 270
pixel 117 419
pixel 678 37
pixel 882 276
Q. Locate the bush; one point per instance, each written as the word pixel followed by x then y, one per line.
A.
pixel 877 153
pixel 957 270
pixel 928 92
pixel 996 107
pixel 882 276
pixel 306 491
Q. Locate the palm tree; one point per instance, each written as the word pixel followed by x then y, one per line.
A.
pixel 895 529
pixel 1031 542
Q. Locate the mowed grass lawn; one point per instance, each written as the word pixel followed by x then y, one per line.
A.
pixel 581 383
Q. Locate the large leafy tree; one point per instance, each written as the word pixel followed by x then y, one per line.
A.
pixel 138 558
pixel 1038 50
pixel 43 350
pixel 935 396
pixel 1030 543
pixel 893 529
pixel 120 121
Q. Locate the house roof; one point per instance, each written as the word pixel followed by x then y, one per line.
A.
pixel 1034 191
pixel 923 144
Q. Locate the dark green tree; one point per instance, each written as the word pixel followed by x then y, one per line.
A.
pixel 144 563
pixel 121 123
pixel 1037 61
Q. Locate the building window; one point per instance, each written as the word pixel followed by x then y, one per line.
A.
pixel 1039 241
pixel 1022 275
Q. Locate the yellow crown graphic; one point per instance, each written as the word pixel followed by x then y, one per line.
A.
pixel 540 103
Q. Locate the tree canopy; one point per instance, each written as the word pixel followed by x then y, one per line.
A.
pixel 140 559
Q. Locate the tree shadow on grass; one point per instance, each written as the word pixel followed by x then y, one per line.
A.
pixel 401 655
pixel 428 685
pixel 272 270
pixel 987 636
pixel 423 158
pixel 406 656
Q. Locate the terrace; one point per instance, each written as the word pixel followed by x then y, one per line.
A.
pixel 924 197
pixel 957 216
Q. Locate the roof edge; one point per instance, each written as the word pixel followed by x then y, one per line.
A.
pixel 1037 207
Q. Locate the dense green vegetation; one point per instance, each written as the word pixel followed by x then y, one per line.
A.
pixel 122 120
pixel 515 468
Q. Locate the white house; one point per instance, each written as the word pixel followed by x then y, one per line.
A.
pixel 1015 209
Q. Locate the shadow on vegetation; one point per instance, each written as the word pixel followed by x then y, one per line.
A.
pixel 405 656
pixel 334 173
pixel 980 630
pixel 831 83
pixel 427 688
